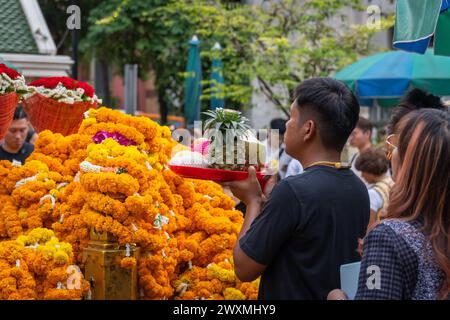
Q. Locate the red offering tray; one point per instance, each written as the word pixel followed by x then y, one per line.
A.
pixel 217 175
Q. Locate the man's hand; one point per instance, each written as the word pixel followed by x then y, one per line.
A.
pixel 360 246
pixel 249 190
pixel 270 184
pixel 337 294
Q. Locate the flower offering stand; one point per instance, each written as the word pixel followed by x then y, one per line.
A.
pixel 108 280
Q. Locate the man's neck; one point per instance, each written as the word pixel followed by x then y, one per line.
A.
pixel 365 147
pixel 10 149
pixel 320 155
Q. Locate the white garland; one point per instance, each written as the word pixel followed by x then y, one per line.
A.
pixel 160 221
pixel 48 196
pixel 25 180
pixel 8 85
pixel 62 94
pixel 88 167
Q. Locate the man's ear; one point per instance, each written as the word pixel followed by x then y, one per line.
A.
pixel 309 129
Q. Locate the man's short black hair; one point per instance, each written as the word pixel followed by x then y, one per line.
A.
pixel 364 124
pixel 278 124
pixel 415 99
pixel 334 107
pixel 19 114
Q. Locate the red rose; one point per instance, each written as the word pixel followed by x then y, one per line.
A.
pixel 13 74
pixel 88 90
pixel 49 83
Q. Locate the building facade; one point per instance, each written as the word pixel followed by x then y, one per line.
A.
pixel 26 42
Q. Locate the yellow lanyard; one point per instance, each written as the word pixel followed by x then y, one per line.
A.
pixel 337 165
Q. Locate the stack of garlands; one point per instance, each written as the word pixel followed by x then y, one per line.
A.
pixel 38 266
pixel 112 177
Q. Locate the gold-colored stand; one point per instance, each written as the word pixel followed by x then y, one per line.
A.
pixel 108 280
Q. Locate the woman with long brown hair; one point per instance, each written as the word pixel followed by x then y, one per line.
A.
pixel 407 256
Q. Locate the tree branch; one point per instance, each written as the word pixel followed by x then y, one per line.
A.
pixel 268 92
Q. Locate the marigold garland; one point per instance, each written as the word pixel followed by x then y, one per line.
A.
pixel 32 266
pixel 185 228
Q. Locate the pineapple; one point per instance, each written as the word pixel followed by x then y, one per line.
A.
pixel 233 145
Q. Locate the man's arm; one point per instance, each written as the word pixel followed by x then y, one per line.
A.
pixel 246 268
pixel 266 226
pixel 248 191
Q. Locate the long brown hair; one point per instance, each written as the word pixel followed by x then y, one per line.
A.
pixel 421 191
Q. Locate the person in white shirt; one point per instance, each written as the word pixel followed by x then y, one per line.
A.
pixel 374 166
pixel 294 168
pixel 361 138
pixel 276 149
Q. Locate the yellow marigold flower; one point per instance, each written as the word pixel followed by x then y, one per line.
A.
pixel 224 275
pixel 39 235
pixel 60 257
pixel 233 294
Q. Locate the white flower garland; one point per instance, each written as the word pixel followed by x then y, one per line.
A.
pixel 8 85
pixel 88 167
pixel 25 180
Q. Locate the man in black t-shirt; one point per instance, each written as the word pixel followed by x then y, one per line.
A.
pixel 310 224
pixel 14 146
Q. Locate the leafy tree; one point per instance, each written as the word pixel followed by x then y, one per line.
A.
pixel 55 13
pixel 278 43
pixel 154 34
pixel 307 38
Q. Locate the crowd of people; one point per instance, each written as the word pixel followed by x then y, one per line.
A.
pixel 389 208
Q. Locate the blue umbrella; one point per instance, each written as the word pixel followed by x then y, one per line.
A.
pixel 217 82
pixel 388 75
pixel 193 87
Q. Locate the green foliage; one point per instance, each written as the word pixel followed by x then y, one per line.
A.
pixel 154 34
pixel 278 44
pixel 55 13
pixel 223 119
pixel 311 38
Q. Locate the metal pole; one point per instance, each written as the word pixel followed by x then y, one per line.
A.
pixel 131 79
pixel 135 87
pixel 127 88
pixel 75 48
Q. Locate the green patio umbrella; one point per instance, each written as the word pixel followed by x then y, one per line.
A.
pixel 193 87
pixel 217 82
pixel 417 21
pixel 386 76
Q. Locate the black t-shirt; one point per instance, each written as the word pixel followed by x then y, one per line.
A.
pixel 21 156
pixel 308 228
